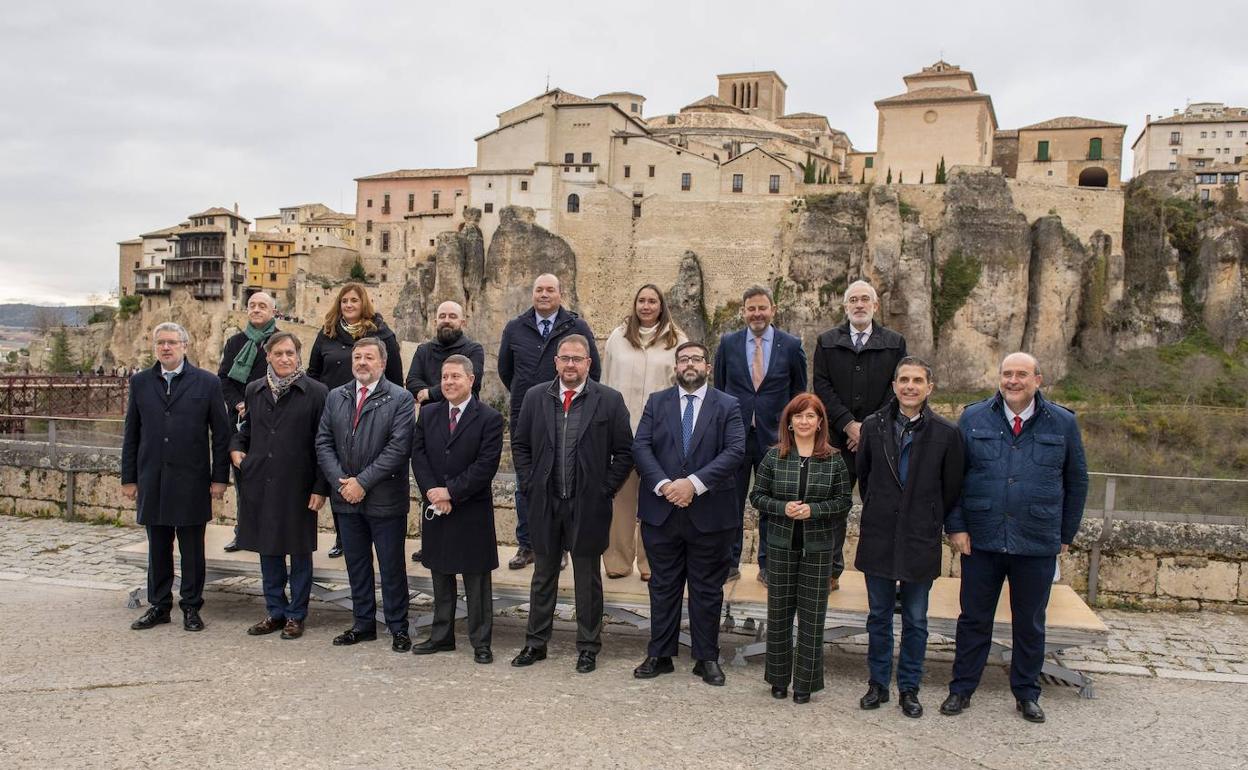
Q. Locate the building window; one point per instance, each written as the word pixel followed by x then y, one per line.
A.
pixel 272 276
pixel 1230 179
pixel 1175 137
pixel 1204 195
pixel 636 211
pixel 574 204
pixel 1206 179
pixel 738 182
pixel 773 184
pixel 569 157
pixel 414 250
pixel 587 157
pixel 383 277
pixel 489 209
pixel 1228 134
pixel 870 162
pixel 686 181
pixel 1173 165
pixel 411 201
pixel 628 172
pixel 370 203
pixel 368 241
pixel 633 107
pixel 1042 150
pixel 255 261
pixel 385 203
pixel 1204 134
pixel 385 262
pixel 437 196
pixel 652 172
pixel 368 226
pixel 385 241
pixel 524 185
pixel 1094 148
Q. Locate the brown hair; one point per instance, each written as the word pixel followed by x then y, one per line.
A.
pixel 334 315
pixel 670 335
pixel 800 403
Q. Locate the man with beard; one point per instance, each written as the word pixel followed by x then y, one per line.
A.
pixel 424 376
pixel 690 442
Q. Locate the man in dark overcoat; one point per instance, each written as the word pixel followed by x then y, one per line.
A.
pixel 910 465
pixel 174 461
pixel 274 454
pixel 456 447
pixel 573 450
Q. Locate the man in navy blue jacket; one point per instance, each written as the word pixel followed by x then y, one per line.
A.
pixel 1022 501
pixel 689 444
pixel 763 368
pixel 526 357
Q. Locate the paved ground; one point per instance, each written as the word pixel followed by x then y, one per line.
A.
pixel 78 688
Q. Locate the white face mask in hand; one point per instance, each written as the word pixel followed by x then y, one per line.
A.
pixel 432 511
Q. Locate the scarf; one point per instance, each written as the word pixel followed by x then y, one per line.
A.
pixel 240 370
pixel 358 329
pixel 279 385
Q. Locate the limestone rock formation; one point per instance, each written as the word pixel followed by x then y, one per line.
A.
pixel 1055 294
pixel 1222 284
pixel 685 299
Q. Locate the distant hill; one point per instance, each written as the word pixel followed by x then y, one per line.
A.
pixel 28 316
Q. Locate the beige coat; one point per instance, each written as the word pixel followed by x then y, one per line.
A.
pixel 638 373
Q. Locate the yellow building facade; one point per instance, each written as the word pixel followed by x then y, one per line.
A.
pixel 270 261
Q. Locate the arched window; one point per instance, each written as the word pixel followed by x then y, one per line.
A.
pixel 574 204
pixel 1094 176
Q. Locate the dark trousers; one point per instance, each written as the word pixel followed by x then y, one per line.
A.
pixel 587 579
pixel 797 584
pixel 881 599
pixel 522 521
pixel 274 575
pixel 753 457
pixel 478 594
pixel 360 536
pixel 160 566
pixel 682 556
pixel 1031 580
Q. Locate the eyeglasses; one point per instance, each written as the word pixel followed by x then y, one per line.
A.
pixel 691 359
pixel 578 360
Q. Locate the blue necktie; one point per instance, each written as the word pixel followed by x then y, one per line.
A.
pixel 168 381
pixel 545 328
pixel 686 423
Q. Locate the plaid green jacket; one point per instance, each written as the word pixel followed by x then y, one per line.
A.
pixel 827 494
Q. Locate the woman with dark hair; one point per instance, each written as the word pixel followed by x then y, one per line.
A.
pixel 803 485
pixel 348 319
pixel 639 359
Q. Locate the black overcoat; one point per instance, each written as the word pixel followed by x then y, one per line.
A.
pixel 329 363
pixel 463 541
pixel 604 458
pixel 852 384
pixel 901 531
pixel 175 445
pixel 280 471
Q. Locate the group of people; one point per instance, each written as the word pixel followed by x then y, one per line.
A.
pixel 632 458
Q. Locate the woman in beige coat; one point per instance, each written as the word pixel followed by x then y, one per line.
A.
pixel 638 360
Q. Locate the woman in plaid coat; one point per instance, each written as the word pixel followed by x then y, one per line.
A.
pixel 803 487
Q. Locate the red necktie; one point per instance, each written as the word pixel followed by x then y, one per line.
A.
pixel 1018 425
pixel 568 395
pixel 454 418
pixel 360 406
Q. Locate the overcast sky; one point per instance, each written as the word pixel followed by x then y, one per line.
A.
pixel 124 117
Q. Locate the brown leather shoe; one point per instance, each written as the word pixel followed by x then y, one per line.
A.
pixel 522 559
pixel 293 629
pixel 834 584
pixel 266 626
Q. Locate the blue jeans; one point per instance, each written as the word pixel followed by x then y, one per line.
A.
pixel 274 576
pixel 881 598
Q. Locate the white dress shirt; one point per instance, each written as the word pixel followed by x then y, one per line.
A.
pixel 699 397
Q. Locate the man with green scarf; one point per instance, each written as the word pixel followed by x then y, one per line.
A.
pixel 243 361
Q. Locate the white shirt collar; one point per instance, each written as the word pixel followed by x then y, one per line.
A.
pixel 866 333
pixel 577 390
pixel 699 394
pixel 181 365
pixel 371 388
pixel 541 317
pixel 463 405
pixel 1025 414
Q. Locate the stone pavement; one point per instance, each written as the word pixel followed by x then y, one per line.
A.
pixel 1200 646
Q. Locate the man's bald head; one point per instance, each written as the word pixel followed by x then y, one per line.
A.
pixel 1020 379
pixel 450 321
pixel 547 294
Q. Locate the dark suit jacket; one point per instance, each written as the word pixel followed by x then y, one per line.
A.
pixel 786 377
pixel 851 384
pixel 175 445
pixel 604 459
pixel 715 451
pixel 463 541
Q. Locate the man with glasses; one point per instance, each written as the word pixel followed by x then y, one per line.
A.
pixel 573 450
pixel 174 462
pixel 690 442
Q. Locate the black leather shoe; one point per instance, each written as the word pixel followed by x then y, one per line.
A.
pixel 876 694
pixel 150 619
pixel 762 576
pixel 1031 710
pixel 191 620
pixel 231 546
pixel 779 693
pixel 528 656
pixel 483 655
pixel 416 556
pixel 652 667
pixel 355 636
pixel 955 704
pixel 710 672
pixel 586 662
pixel 801 697
pixel 522 559
pixel 429 647
pixel 910 705
pixel 266 626
pixel 336 551
pixel 400 642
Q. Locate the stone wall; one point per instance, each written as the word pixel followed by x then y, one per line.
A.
pixel 1145 565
